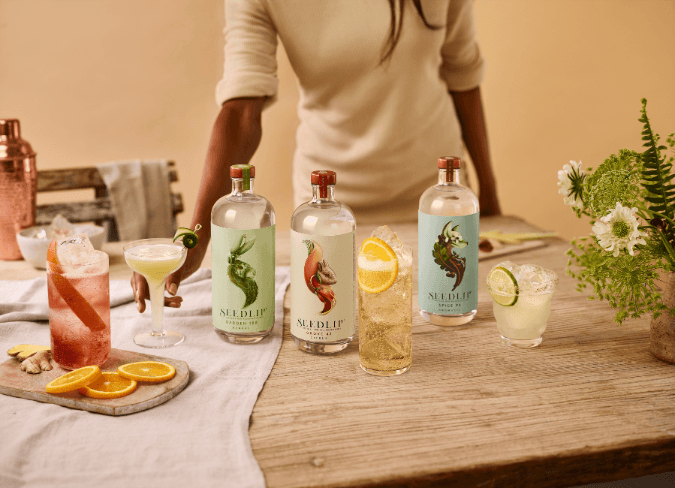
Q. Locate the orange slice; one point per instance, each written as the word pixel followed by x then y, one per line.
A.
pixel 77 303
pixel 52 258
pixel 109 385
pixel 74 380
pixel 378 265
pixel 147 371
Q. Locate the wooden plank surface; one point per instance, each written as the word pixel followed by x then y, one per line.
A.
pixel 80 178
pixel 97 209
pixel 590 404
pixel 17 383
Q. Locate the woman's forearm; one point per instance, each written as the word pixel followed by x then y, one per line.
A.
pixel 236 135
pixel 469 108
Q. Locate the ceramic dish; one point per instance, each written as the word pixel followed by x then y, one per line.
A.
pixel 34 249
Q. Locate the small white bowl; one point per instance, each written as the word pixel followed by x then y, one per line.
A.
pixel 34 249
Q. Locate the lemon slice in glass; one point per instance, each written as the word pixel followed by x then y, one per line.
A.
pixel 109 385
pixel 147 371
pixel 503 286
pixel 74 380
pixel 378 265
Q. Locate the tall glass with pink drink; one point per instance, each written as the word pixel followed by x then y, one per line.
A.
pixel 78 286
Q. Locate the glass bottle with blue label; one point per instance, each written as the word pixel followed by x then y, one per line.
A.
pixel 323 270
pixel 242 259
pixel 448 249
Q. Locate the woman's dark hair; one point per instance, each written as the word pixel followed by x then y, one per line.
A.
pixel 398 6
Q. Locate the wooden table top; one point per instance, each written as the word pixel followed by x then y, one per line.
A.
pixel 590 404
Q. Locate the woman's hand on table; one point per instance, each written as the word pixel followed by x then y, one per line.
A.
pixel 193 260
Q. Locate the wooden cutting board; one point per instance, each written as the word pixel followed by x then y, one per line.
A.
pixel 17 383
pixel 511 249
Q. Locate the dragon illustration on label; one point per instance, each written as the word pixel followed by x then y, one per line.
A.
pixel 445 256
pixel 319 276
pixel 241 273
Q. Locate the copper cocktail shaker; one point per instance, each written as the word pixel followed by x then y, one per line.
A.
pixel 18 187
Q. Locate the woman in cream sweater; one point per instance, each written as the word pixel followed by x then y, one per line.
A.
pixel 386 87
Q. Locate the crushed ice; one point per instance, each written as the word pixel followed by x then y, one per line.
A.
pixel 77 250
pixel 58 229
pixel 532 279
pixel 403 252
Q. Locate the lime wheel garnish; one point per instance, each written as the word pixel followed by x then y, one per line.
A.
pixel 503 286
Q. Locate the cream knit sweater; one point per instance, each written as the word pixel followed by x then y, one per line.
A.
pixel 380 128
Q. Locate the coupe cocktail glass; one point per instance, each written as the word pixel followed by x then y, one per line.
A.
pixel 521 301
pixel 385 318
pixel 78 287
pixel 156 259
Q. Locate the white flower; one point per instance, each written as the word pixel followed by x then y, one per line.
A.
pixel 455 237
pixel 619 230
pixel 570 179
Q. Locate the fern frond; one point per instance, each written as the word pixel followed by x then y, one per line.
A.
pixel 656 171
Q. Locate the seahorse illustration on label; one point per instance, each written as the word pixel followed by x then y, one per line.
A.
pixel 445 256
pixel 319 276
pixel 241 273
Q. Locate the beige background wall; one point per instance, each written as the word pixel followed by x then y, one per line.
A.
pixel 99 80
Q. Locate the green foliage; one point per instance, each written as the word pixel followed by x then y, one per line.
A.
pixel 626 160
pixel 656 173
pixel 617 185
pixel 628 283
pixel 643 180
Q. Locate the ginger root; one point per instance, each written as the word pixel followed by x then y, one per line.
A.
pixel 24 351
pixel 34 359
pixel 38 362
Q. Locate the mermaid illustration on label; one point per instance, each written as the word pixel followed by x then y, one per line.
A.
pixel 446 257
pixel 241 273
pixel 319 276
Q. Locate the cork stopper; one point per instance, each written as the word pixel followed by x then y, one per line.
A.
pixel 449 162
pixel 245 172
pixel 323 179
pixel 238 170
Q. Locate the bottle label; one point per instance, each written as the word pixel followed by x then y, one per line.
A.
pixel 323 287
pixel 447 263
pixel 243 278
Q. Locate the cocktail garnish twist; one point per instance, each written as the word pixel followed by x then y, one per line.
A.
pixel 189 236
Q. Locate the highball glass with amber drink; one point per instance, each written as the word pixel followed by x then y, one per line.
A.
pixel 385 306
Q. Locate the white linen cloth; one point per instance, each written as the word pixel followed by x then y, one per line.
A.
pixel 140 196
pixel 198 438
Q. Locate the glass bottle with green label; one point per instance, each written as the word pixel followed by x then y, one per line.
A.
pixel 448 249
pixel 242 259
pixel 323 270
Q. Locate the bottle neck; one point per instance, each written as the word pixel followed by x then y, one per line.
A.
pixel 327 195
pixel 446 177
pixel 238 186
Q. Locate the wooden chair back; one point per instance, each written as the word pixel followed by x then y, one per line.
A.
pixel 98 210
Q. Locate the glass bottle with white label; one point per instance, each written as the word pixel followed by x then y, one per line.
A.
pixel 242 259
pixel 448 249
pixel 323 270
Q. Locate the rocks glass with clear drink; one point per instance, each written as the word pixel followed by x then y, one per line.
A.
pixel 385 312
pixel 78 287
pixel 522 301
